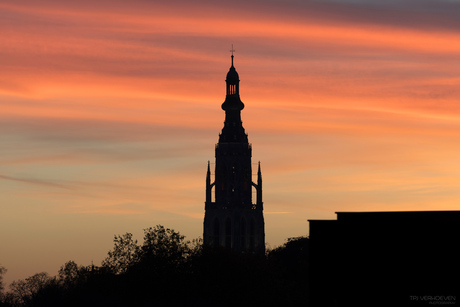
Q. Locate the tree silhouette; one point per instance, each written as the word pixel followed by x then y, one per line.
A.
pixel 167 270
pixel 2 271
pixel 161 266
pixel 71 273
pixel 164 244
pixel 125 253
pixel 25 291
pixel 289 266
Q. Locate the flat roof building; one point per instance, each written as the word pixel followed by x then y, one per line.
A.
pixel 399 258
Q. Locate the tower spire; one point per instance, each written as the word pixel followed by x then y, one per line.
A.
pixel 233 130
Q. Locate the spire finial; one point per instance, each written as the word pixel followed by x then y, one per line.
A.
pixel 232 53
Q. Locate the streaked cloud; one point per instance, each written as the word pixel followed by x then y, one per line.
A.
pixel 35 182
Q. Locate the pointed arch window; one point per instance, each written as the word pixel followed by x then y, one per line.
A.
pixel 243 234
pixel 215 232
pixel 228 233
pixel 252 230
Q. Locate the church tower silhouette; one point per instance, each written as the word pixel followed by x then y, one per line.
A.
pixel 232 220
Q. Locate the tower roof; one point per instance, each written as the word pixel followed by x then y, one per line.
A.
pixel 232 75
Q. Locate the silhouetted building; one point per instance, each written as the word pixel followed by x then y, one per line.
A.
pixel 232 220
pixel 385 259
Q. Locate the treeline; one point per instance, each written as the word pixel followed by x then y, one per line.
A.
pixel 167 270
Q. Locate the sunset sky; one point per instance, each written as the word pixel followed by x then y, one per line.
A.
pixel 110 111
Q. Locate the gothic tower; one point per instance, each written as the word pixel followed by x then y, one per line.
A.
pixel 232 220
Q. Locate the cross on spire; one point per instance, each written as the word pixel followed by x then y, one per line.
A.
pixel 232 53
